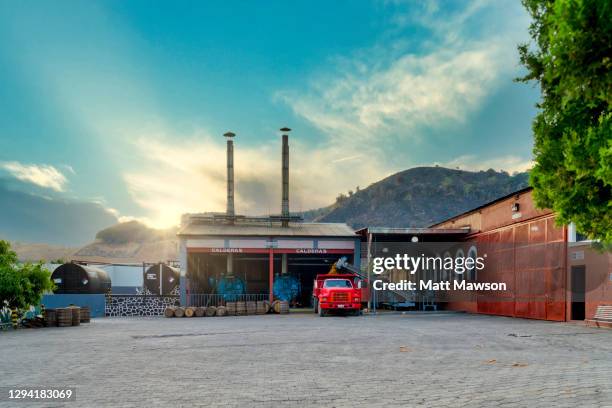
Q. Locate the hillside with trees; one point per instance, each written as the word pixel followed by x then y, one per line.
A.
pixel 418 197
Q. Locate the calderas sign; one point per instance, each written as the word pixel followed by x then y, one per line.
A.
pixel 310 251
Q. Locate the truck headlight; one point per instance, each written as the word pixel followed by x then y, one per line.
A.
pixel 323 299
pixel 356 299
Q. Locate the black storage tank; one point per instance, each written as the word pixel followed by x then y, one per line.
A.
pixel 169 276
pixel 75 278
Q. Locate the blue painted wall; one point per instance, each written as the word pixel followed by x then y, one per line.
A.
pixel 96 302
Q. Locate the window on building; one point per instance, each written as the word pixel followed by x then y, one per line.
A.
pixel 460 255
pixel 472 273
pixel 581 237
pixel 448 274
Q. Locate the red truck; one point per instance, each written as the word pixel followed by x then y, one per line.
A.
pixel 337 292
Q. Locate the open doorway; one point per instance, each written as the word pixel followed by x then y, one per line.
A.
pixel 578 289
pixel 306 267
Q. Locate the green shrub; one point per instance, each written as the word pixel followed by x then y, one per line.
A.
pixel 21 284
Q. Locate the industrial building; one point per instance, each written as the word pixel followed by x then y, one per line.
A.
pixel 229 255
pixel 547 275
pixel 550 275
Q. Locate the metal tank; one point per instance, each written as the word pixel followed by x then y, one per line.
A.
pixel 231 287
pixel 286 287
pixel 161 279
pixel 76 278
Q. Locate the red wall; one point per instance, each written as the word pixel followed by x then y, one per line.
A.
pixel 526 251
pixel 598 269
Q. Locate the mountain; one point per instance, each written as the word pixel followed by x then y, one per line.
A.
pixel 418 197
pixel 126 242
pixel 42 252
pixel 131 242
pixel 29 217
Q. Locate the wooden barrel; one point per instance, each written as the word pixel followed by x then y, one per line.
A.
pixel 251 308
pixel 241 308
pixel 51 318
pixel 200 311
pixel 231 308
pixel 221 311
pixel 211 311
pixel 85 314
pixel 169 312
pixel 64 316
pixel 189 311
pixel 76 315
pixel 262 308
pixel 179 312
pixel 281 306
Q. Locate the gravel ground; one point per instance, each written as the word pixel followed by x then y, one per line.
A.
pixel 434 359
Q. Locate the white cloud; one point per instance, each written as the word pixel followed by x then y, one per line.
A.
pixel 42 175
pixel 382 91
pixel 69 168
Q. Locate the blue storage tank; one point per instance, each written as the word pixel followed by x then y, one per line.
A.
pixel 286 287
pixel 230 287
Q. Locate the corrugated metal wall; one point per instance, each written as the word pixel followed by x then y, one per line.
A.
pixel 526 251
pixel 530 257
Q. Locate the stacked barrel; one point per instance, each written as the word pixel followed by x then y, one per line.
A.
pixel 239 308
pixel 64 317
pixel 67 316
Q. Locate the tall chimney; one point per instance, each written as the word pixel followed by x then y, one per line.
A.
pixel 230 177
pixel 285 199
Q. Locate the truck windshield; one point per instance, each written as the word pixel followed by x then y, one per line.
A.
pixel 337 283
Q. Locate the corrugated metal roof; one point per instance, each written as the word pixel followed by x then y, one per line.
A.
pixel 413 231
pixel 259 229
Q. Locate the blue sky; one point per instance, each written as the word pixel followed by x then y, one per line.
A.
pixel 123 104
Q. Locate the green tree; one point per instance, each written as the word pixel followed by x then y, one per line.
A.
pixel 21 284
pixel 570 57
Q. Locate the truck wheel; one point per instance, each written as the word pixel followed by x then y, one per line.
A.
pixel 316 305
pixel 322 312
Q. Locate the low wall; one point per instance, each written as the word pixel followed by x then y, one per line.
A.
pixel 94 301
pixel 138 305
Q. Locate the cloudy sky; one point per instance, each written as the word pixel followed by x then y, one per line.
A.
pixel 122 105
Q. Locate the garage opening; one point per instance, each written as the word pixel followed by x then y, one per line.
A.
pixel 250 274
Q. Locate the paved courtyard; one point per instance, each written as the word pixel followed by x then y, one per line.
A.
pixel 302 360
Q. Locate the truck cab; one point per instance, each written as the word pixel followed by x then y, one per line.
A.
pixel 337 292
